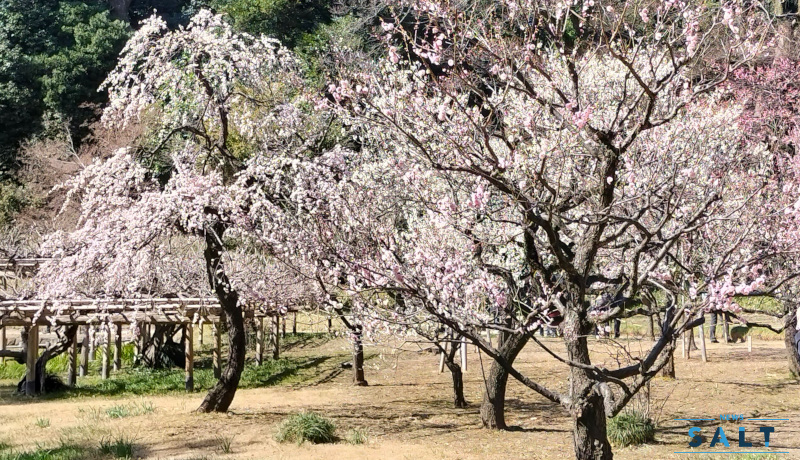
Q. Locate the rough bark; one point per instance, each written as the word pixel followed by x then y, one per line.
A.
pixel 494 397
pixel 459 401
pixel 791 347
pixel 669 370
pixel 590 440
pixel 220 396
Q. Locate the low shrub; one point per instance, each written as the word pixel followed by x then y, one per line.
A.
pixel 631 428
pixel 306 426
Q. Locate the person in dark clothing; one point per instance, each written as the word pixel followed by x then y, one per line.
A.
pixel 713 327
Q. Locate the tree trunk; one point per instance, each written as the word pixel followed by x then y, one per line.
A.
pixel 220 397
pixel 65 341
pixel 590 440
pixel 494 398
pixel 358 358
pixel 459 402
pixel 160 351
pixel 589 431
pixel 791 346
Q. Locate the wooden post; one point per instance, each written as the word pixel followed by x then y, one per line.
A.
pixel 703 354
pixel 189 358
pixel 330 324
pixel 749 343
pixel 200 334
pixel 294 323
pixel 441 358
pixel 106 353
pixel 32 356
pixel 683 345
pixel 463 354
pixel 216 354
pixel 84 352
pixel 92 344
pixel 3 342
pixel 259 341
pixel 725 330
pixel 72 363
pixel 275 340
pixel 118 348
pixel 283 328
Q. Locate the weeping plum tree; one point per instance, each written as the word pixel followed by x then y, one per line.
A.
pixel 545 155
pixel 213 100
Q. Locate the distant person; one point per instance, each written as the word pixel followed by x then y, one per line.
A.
pixel 712 330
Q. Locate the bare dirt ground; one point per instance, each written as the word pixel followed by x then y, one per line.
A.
pixel 407 413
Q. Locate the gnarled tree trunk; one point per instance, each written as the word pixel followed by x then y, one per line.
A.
pixel 494 398
pixel 65 340
pixel 590 439
pixel 789 334
pixel 459 401
pixel 220 397
pixel 161 351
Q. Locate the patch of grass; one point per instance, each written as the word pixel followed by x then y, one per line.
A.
pixel 130 410
pixel 630 429
pixel 225 443
pixel 62 452
pixel 356 437
pixel 93 414
pixel 306 426
pixel 4 446
pixel 42 422
pixel 11 370
pixel 119 447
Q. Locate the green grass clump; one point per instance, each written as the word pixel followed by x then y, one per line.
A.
pixel 630 429
pixel 120 447
pixel 306 426
pixel 130 410
pixel 225 443
pixel 62 452
pixel 43 422
pixel 356 437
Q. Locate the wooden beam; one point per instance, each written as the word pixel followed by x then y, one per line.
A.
pixel 217 353
pixel 107 354
pixel 84 369
pixel 3 341
pixel 463 354
pixel 189 358
pixel 441 358
pixel 30 362
pixel 703 353
pixel 92 343
pixel 72 363
pixel 294 323
pixel 259 341
pixel 118 347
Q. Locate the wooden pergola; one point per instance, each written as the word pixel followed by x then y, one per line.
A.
pixel 112 314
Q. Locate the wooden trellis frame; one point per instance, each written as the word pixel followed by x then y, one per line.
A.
pixel 32 314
